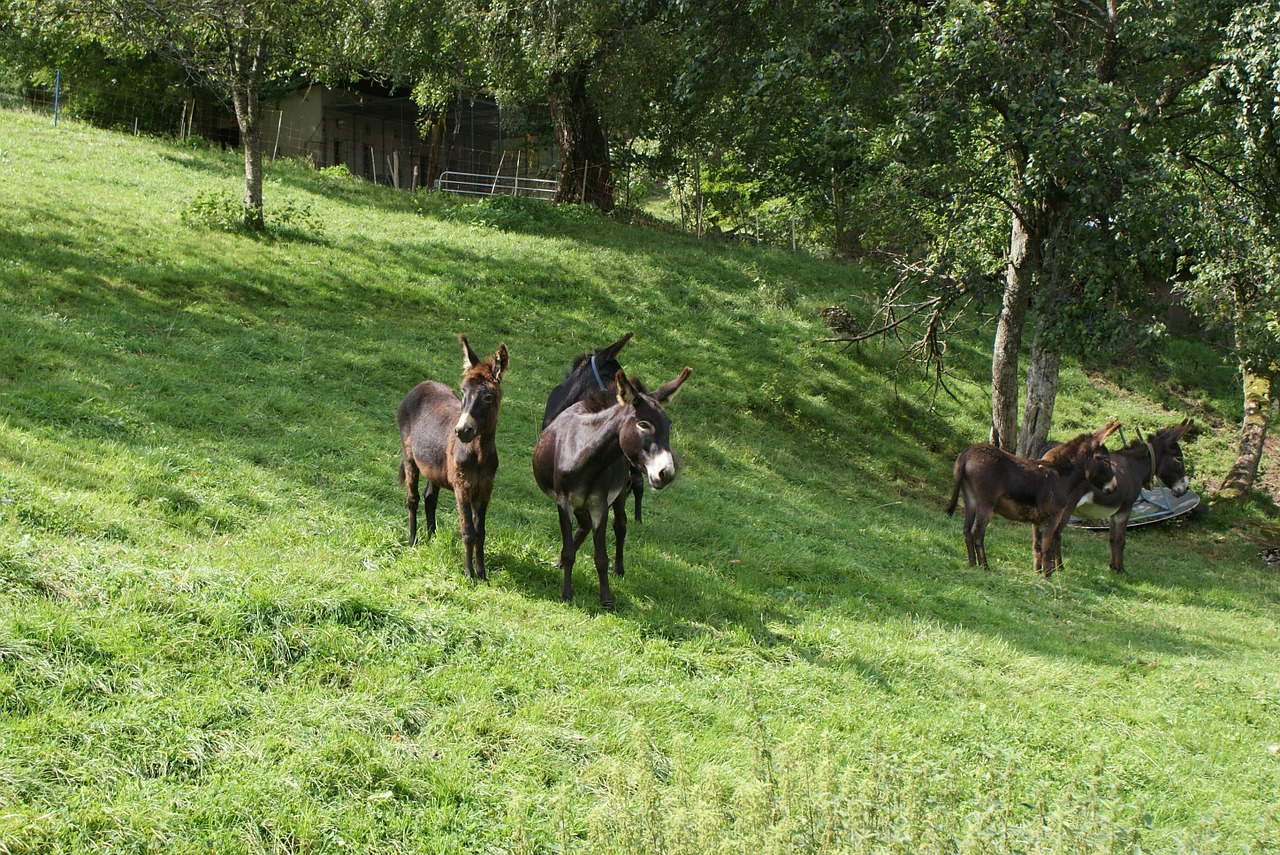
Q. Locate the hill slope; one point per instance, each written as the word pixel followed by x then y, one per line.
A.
pixel 212 637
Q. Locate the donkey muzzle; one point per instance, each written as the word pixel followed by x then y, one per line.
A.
pixel 466 428
pixel 661 469
pixel 1179 489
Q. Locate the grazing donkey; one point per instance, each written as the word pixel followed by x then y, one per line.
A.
pixel 591 372
pixel 583 461
pixel 1034 491
pixel 451 443
pixel 1136 466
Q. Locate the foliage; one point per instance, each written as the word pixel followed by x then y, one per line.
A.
pixel 521 214
pixel 222 210
pixel 1233 240
pixel 212 637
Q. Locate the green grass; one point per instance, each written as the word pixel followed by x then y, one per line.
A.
pixel 212 637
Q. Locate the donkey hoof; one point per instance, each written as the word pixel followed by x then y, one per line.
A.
pixel 607 605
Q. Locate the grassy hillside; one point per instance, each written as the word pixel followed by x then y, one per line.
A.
pixel 212 637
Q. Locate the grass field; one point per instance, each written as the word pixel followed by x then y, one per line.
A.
pixel 213 638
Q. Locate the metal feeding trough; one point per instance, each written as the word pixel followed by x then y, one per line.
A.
pixel 1153 506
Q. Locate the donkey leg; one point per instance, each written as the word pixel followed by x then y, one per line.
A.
pixel 968 536
pixel 410 472
pixel 970 527
pixel 568 551
pixel 1045 534
pixel 637 488
pixel 619 532
pixel 430 498
pixel 467 527
pixel 602 565
pixel 1055 541
pixel 1119 527
pixel 478 511
pixel 980 523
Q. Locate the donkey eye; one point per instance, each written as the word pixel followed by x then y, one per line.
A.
pixel 644 427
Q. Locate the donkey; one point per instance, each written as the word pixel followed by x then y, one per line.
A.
pixel 451 443
pixel 588 373
pixel 582 461
pixel 1034 491
pixel 1135 466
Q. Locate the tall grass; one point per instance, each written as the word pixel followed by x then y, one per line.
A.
pixel 212 637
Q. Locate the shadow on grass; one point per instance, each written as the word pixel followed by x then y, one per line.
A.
pixel 282 378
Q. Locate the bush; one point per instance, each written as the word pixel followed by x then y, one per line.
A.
pixel 338 171
pixel 219 209
pixel 522 214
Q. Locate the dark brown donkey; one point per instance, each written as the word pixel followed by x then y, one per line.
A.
pixel 1136 465
pixel 1035 491
pixel 583 462
pixel 451 444
pixel 591 372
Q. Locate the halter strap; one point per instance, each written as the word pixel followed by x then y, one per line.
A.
pixel 600 381
pixel 1151 450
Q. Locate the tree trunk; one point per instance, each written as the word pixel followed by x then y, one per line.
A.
pixel 1019 271
pixel 250 120
pixel 585 173
pixel 248 62
pixel 1042 391
pixel 1253 433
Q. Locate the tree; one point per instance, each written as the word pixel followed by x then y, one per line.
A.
pixel 234 48
pixel 1234 237
pixel 783 104
pixel 1050 111
pixel 591 63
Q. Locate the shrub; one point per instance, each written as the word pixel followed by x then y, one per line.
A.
pixel 219 209
pixel 522 214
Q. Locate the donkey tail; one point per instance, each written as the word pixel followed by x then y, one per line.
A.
pixel 400 477
pixel 956 478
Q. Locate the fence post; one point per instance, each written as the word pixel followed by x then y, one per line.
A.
pixel 57 93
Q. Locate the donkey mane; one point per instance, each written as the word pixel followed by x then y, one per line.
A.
pixel 599 400
pixel 1064 454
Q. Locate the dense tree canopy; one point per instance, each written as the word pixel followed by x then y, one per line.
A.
pixel 1233 239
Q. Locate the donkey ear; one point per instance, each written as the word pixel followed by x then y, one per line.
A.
pixel 469 358
pixel 1180 430
pixel 501 358
pixel 612 351
pixel 664 393
pixel 626 392
pixel 1106 430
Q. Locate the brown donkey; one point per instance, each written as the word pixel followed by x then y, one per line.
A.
pixel 451 443
pixel 1138 464
pixel 583 462
pixel 1035 491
